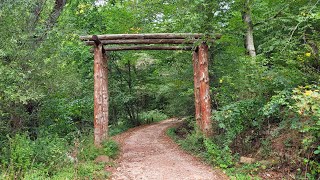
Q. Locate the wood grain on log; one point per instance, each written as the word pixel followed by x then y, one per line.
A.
pixel 145 36
pixel 122 48
pixel 204 93
pixel 152 36
pixel 147 41
pixel 100 95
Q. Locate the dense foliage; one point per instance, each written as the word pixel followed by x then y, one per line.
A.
pixel 46 80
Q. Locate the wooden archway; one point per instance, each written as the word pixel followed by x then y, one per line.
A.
pixel 149 42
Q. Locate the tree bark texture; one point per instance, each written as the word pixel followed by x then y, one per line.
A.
pixel 100 95
pixel 145 36
pixel 249 40
pixel 196 68
pixel 204 90
pixel 123 48
pixel 147 41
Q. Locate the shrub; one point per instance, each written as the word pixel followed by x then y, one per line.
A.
pixel 193 143
pixel 65 172
pixel 152 116
pixel 50 151
pixel 110 148
pixel 221 157
pixel 24 157
pixel 19 155
pixel 279 101
pixel 91 170
pixel 308 107
pixel 35 174
pixel 237 117
pixel 88 152
pixel 171 132
pixel 119 127
pixel 300 108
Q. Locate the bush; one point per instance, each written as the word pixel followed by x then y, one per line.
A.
pixel 35 174
pixel 237 117
pixel 19 155
pixel 205 148
pixel 119 127
pixel 65 172
pixel 273 109
pixel 110 148
pixel 308 108
pixel 152 116
pixel 91 170
pixel 171 132
pixel 221 157
pixel 46 157
pixel 88 152
pixel 193 143
pixel 24 157
pixel 300 109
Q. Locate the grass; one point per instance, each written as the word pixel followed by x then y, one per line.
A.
pixel 53 157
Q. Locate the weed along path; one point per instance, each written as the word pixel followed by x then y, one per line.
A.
pixel 148 154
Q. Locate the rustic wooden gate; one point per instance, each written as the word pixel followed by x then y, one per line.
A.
pixel 149 42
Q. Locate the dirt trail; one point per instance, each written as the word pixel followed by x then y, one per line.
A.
pixel 148 154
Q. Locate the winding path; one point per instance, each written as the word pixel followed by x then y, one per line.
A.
pixel 148 154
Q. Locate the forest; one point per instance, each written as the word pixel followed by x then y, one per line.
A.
pixel 264 85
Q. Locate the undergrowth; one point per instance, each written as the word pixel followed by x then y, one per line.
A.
pixel 212 153
pixel 52 157
pixel 282 135
pixel 151 116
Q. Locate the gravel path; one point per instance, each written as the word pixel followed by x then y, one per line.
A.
pixel 148 154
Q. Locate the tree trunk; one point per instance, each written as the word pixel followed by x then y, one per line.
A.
pixel 315 51
pixel 249 40
pixel 52 19
pixel 204 90
pixel 129 77
pixel 37 13
pixel 100 96
pixel 55 13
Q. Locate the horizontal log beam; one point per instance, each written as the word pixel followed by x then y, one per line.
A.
pixel 144 36
pixel 147 41
pixel 123 48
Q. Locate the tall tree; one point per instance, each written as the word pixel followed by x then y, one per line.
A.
pixel 246 17
pixel 55 13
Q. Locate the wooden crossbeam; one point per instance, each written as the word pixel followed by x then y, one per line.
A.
pixel 145 36
pixel 123 48
pixel 147 41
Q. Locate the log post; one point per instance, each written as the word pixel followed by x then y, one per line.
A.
pixel 204 93
pixel 100 94
pixel 195 60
